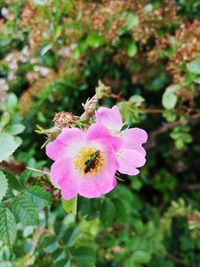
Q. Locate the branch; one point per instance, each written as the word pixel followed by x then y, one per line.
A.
pixel 176 260
pixel 167 126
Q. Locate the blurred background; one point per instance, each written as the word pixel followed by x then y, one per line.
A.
pixel 52 55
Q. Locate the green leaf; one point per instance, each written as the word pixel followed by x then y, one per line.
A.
pixel 137 100
pixel 7 146
pixel 94 40
pixel 3 185
pixel 62 263
pixel 45 49
pixel 131 49
pixel 70 206
pixel 70 236
pixel 148 8
pixel 107 213
pixel 25 211
pixel 49 243
pixel 129 262
pixel 141 257
pixel 84 256
pixel 24 177
pixel 169 98
pixel 170 115
pixel 13 182
pixel 15 129
pixel 12 101
pixel 121 211
pixel 194 66
pixel 8 231
pixel 38 196
pixel 58 255
pixel 197 80
pixel 131 21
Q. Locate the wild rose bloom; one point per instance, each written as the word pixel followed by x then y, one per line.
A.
pixel 132 154
pixel 85 162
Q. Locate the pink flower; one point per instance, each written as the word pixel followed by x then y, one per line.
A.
pixel 132 154
pixel 85 162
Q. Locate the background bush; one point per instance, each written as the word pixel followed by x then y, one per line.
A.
pixel 52 55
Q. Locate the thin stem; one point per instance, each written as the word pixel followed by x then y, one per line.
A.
pixel 46 213
pixel 37 170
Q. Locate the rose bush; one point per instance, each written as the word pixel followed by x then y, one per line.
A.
pixel 81 184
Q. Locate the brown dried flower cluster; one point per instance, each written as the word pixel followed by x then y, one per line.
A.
pixel 187 48
pixel 64 119
pixel 26 99
pixel 32 19
pixel 185 45
pixel 153 19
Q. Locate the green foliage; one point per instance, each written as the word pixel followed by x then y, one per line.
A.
pixel 38 196
pixel 25 211
pixel 9 149
pixel 169 98
pixel 8 230
pixel 131 49
pixel 70 206
pixel 3 185
pixel 194 66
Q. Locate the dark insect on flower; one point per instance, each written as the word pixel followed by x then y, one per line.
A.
pixel 91 162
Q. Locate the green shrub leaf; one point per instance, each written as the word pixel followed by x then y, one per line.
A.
pixel 3 185
pixel 84 257
pixel 8 230
pixel 169 98
pixel 194 66
pixel 107 213
pixel 131 49
pixel 25 211
pixel 7 150
pixel 15 129
pixel 38 196
pixel 70 206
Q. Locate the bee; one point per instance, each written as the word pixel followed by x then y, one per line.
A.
pixel 91 162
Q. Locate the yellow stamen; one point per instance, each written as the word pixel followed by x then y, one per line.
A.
pixel 115 132
pixel 89 161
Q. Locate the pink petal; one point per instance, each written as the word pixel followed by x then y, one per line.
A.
pixel 110 118
pixel 102 183
pixel 134 138
pixel 55 150
pixel 95 187
pixel 61 174
pixel 58 148
pixel 69 134
pixel 97 132
pixel 129 160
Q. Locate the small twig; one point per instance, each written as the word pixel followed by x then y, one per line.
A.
pixel 167 126
pixel 191 186
pixel 35 243
pixel 176 260
pixel 37 170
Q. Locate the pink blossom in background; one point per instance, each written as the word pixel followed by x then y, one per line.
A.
pixel 132 154
pixel 85 162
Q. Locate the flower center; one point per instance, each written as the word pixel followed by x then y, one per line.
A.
pixel 89 161
pixel 115 132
